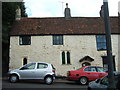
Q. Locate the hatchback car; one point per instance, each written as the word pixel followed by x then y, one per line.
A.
pixel 86 74
pixel 102 83
pixel 36 70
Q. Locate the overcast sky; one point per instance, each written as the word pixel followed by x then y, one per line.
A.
pixel 79 8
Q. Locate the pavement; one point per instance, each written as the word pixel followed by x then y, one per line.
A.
pixel 3 78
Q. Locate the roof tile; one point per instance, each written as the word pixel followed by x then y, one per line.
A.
pixel 60 25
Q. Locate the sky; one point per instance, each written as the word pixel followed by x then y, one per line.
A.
pixel 79 8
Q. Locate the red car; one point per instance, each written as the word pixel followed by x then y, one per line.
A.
pixel 86 74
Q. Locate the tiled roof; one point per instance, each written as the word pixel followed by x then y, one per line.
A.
pixel 60 25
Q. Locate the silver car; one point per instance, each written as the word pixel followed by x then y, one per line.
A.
pixel 36 70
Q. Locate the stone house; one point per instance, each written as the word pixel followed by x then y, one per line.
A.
pixel 66 42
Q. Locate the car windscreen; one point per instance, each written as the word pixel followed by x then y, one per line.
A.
pixel 78 68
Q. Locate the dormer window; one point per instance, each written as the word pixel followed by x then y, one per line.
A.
pixel 25 40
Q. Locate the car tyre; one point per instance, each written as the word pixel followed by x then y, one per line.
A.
pixel 83 80
pixel 49 80
pixel 13 78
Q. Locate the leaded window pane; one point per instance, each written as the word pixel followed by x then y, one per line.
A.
pixel 57 39
pixel 63 57
pixel 68 57
pixel 101 42
pixel 25 40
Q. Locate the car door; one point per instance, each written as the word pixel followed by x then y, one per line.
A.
pixel 91 73
pixel 28 71
pixel 41 70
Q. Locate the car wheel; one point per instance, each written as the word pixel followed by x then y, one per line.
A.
pixel 83 80
pixel 49 80
pixel 13 78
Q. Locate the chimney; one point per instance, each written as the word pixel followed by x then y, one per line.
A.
pixel 18 13
pixel 67 12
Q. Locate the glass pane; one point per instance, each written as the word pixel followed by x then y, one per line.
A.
pixel 20 41
pixel 68 57
pixel 63 57
pixel 53 40
pixel 93 69
pixel 101 42
pixel 57 39
pixel 41 66
pixel 25 40
pixel 30 66
pixel 100 69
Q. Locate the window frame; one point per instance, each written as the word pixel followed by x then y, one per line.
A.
pixel 66 57
pixel 101 42
pixel 58 39
pixel 22 40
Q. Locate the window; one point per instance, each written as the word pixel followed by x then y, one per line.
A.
pixel 90 69
pixel 42 66
pixel 25 40
pixel 28 66
pixel 100 69
pixel 68 57
pixel 101 42
pixel 65 57
pixel 24 61
pixel 57 39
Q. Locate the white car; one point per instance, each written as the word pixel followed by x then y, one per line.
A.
pixel 36 70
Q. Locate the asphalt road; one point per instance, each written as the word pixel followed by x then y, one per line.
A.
pixel 40 84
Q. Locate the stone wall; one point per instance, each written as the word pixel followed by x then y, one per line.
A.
pixel 43 50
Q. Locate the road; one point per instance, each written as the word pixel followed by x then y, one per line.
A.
pixel 37 84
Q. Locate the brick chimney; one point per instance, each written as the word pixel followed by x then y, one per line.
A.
pixel 67 12
pixel 18 13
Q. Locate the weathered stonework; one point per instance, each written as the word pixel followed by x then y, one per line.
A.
pixel 43 50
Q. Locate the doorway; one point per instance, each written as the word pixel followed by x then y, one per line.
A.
pixel 105 62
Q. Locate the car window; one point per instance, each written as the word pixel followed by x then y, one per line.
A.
pixel 90 69
pixel 28 66
pixel 100 69
pixel 41 66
